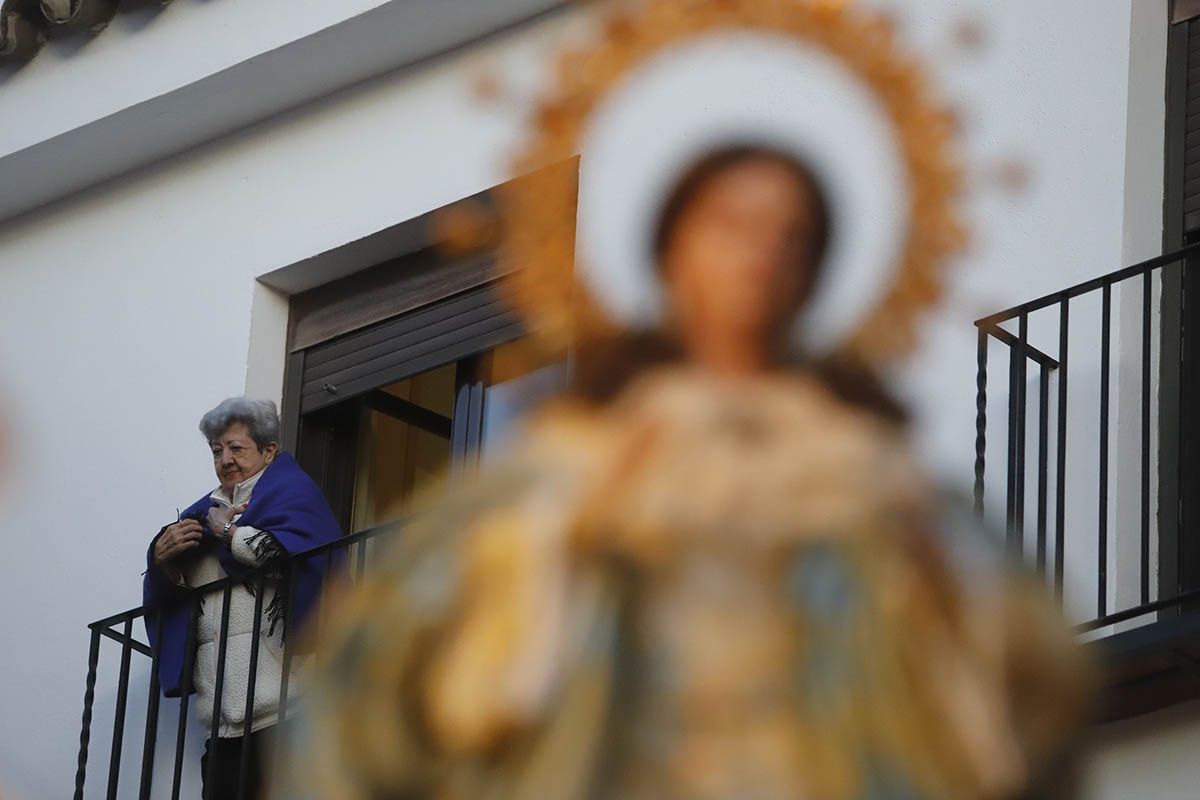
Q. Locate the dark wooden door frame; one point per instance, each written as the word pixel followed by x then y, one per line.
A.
pixel 327 449
pixel 409 413
pixel 466 440
pixel 1179 370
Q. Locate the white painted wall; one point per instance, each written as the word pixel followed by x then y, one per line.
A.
pixel 1143 239
pixel 1151 757
pixel 127 312
pixel 149 52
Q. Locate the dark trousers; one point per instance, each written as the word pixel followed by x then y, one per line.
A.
pixel 221 765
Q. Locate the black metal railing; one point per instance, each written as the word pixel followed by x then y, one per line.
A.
pixel 1092 533
pixel 120 628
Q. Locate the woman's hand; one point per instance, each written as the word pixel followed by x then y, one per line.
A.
pixel 220 516
pixel 176 540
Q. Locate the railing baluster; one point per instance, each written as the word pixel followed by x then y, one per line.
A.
pixel 289 636
pixel 981 418
pixel 1022 406
pixel 251 681
pixel 1060 502
pixel 322 607
pixel 1102 540
pixel 150 743
pixel 1042 465
pixel 114 762
pixel 1011 489
pixel 218 690
pixel 1147 292
pixel 89 697
pixel 185 690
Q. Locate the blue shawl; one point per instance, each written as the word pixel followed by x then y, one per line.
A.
pixel 286 504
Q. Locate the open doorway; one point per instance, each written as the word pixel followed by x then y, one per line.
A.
pixel 415 432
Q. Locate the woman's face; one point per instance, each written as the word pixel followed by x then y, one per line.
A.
pixel 738 258
pixel 236 457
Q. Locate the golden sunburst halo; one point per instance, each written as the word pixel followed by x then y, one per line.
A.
pixel 538 210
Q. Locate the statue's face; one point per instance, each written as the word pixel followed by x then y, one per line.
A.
pixel 738 260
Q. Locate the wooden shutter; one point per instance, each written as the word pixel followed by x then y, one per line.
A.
pixel 439 333
pixel 1191 131
pixel 1182 157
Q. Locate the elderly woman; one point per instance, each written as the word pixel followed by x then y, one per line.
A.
pixel 264 510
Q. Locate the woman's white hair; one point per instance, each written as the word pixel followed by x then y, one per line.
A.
pixel 259 416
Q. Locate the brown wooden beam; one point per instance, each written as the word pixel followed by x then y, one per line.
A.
pixel 409 412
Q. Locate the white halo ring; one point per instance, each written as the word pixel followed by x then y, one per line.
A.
pixel 757 88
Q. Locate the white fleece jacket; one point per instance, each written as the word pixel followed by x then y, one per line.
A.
pixel 240 638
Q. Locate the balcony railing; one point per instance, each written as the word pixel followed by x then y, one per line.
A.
pixel 1085 412
pixel 124 630
pixel 1079 407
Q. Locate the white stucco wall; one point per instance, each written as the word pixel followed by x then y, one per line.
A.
pixel 210 36
pixel 127 312
pixel 1151 757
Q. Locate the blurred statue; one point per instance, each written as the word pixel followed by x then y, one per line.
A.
pixel 711 570
pixel 714 571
